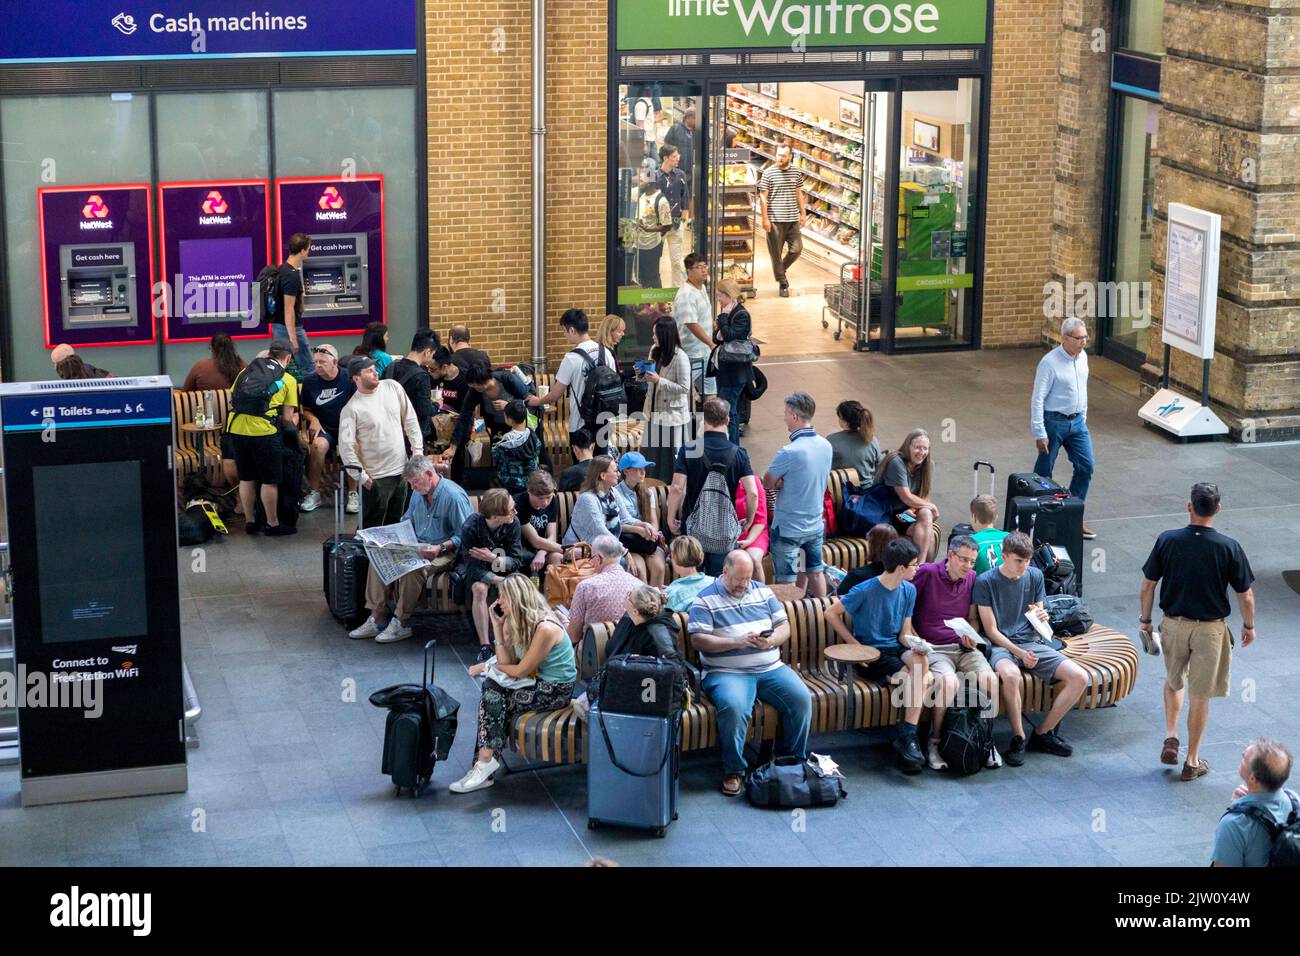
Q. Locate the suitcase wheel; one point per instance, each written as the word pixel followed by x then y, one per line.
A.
pixel 592 823
pixel 661 832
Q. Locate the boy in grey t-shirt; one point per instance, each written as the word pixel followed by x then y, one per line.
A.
pixel 1001 596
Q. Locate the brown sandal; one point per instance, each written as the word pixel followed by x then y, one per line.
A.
pixel 1169 754
pixel 731 784
pixel 1200 770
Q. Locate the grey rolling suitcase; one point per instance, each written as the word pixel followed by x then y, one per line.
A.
pixel 633 770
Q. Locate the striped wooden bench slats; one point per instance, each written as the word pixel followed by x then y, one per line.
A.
pixel 1109 658
pixel 185 406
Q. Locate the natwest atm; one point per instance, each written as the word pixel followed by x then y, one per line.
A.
pixel 343 276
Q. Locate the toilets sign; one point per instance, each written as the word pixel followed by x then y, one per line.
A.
pixel 742 24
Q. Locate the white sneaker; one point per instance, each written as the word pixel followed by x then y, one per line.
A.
pixel 368 629
pixel 478 778
pixel 354 503
pixel 935 759
pixel 310 502
pixel 393 633
pixel 994 760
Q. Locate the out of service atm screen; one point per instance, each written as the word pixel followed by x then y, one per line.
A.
pixel 90 551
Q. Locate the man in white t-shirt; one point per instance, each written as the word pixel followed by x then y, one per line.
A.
pixel 572 373
pixel 693 313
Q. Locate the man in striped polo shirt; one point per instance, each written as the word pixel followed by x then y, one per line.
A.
pixel 780 197
pixel 738 627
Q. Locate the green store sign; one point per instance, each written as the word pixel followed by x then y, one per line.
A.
pixel 746 24
pixel 634 295
pixel 964 280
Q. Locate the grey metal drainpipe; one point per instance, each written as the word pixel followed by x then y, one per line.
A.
pixel 539 184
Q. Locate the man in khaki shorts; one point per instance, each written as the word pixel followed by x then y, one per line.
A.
pixel 943 592
pixel 1195 566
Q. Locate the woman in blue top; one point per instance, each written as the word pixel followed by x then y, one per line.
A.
pixel 530 643
pixel 374 342
pixel 599 511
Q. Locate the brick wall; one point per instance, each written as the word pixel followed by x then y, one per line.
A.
pixel 480 171
pixel 1229 144
pixel 1022 137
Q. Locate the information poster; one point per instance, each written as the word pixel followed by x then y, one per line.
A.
pixel 96 252
pixel 216 237
pixel 343 276
pixel 1191 280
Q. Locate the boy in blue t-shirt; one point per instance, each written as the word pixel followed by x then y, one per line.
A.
pixel 878 613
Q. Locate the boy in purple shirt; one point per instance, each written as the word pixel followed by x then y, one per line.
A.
pixel 943 591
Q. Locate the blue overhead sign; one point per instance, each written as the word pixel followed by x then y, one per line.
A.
pixel 145 406
pixel 77 30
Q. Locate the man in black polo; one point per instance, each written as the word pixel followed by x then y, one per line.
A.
pixel 676 187
pixel 1195 566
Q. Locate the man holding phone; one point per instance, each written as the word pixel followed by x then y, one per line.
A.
pixel 1003 596
pixel 738 626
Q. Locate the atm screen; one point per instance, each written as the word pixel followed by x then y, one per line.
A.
pixel 92 291
pixel 90 551
pixel 319 281
pixel 216 278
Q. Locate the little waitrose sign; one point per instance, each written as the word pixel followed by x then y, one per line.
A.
pixel 740 24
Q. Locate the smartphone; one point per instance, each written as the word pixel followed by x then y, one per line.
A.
pixel 767 633
pixel 906 518
pixel 496 610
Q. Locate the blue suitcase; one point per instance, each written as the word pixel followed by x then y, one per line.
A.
pixel 633 770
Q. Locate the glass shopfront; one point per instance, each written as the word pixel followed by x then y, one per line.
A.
pixel 1133 159
pixel 888 145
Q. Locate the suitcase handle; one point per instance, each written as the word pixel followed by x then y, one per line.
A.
pixel 668 747
pixel 427 672
pixel 975 478
pixel 338 500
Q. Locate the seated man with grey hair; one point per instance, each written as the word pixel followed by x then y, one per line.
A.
pixel 437 509
pixel 738 626
pixel 799 473
pixel 1058 410
pixel 601 597
pixel 1259 808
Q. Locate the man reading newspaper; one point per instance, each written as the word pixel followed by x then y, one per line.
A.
pixel 404 556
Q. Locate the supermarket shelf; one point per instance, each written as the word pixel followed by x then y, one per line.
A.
pixel 834 202
pixel 812 174
pixel 790 114
pixel 848 252
pixel 798 152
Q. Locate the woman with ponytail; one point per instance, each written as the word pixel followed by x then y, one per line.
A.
pixel 855 445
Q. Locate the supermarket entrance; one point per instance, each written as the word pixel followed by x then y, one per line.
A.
pixel 884 175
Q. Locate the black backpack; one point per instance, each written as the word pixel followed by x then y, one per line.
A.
pixel 268 291
pixel 967 737
pixel 602 390
pixel 1285 837
pixel 254 387
pixel 1067 615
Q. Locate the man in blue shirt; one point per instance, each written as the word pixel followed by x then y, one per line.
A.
pixel 799 473
pixel 878 613
pixel 1058 410
pixel 1243 838
pixel 437 510
pixel 738 626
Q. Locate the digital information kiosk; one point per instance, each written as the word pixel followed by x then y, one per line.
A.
pixel 90 496
pixel 343 276
pixel 216 237
pixel 96 264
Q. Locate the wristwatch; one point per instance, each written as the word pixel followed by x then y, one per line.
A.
pixel 1144 620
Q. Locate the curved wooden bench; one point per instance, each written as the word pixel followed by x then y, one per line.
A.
pixel 852 703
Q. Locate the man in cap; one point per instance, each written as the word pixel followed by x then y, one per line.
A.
pixel 324 393
pixel 378 431
pixel 65 351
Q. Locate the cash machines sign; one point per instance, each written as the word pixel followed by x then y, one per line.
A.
pixel 343 277
pixel 96 264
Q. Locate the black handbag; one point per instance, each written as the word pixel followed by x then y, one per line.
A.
pixel 789 782
pixel 642 686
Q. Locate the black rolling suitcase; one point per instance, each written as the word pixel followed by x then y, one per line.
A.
pixel 419 730
pixel 1052 518
pixel 344 568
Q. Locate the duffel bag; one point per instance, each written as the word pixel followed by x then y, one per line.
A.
pixel 563 579
pixel 1067 615
pixel 864 508
pixel 789 782
pixel 642 686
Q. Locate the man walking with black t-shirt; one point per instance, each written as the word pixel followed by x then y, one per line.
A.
pixel 290 327
pixel 462 353
pixel 1195 566
pixel 781 200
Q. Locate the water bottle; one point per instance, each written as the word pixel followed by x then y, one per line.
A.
pixel 209 408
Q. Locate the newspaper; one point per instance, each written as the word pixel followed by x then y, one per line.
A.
pixel 963 629
pixel 393 550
